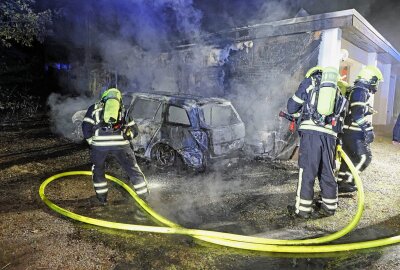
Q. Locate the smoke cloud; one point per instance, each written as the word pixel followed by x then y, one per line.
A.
pixel 127 38
pixel 133 44
pixel 63 109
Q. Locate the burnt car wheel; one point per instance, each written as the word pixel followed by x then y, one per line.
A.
pixel 163 156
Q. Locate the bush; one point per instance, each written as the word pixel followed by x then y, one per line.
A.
pixel 17 105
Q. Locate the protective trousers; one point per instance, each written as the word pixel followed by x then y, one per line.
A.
pixel 316 159
pixel 126 158
pixel 359 152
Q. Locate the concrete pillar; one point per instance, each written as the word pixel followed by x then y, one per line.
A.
pixel 391 99
pixel 396 72
pixel 329 52
pixel 372 59
pixel 382 96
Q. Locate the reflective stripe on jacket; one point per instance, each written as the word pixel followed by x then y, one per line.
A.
pixel 310 125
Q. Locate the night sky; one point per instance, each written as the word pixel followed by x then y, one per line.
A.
pixel 225 14
pixel 382 14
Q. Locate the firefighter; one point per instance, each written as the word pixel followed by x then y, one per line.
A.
pixel 358 131
pixel 396 132
pixel 108 132
pixel 320 104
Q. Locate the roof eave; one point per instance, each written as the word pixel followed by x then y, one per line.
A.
pixel 356 29
pixel 372 40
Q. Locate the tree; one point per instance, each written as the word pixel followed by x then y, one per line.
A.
pixel 20 23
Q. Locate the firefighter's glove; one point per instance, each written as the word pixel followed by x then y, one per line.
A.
pixel 128 134
pixel 370 110
pixel 131 132
pixel 369 136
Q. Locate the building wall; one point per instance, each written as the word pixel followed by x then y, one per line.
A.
pixel 260 88
pixel 385 100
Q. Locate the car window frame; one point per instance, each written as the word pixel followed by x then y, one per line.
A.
pixel 125 96
pixel 149 99
pixel 216 103
pixel 174 123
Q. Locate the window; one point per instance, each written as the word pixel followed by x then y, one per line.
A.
pixel 145 109
pixel 178 115
pixel 217 115
pixel 127 99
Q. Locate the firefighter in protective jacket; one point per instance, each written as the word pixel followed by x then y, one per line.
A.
pixel 396 131
pixel 319 105
pixel 358 131
pixel 108 132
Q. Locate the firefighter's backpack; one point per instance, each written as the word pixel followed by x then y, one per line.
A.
pixel 112 107
pixel 326 102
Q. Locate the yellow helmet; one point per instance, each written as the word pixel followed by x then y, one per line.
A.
pixel 313 70
pixel 112 93
pixel 371 74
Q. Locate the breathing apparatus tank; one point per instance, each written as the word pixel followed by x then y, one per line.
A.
pixel 112 105
pixel 327 91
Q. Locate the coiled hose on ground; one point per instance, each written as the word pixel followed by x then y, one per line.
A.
pixel 227 239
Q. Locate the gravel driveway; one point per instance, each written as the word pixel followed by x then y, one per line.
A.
pixel 249 199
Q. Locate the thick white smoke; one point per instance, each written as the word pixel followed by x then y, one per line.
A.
pixel 137 40
pixel 62 110
pixel 128 38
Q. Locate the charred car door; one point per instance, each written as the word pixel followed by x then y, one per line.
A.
pixel 179 131
pixel 226 129
pixel 147 114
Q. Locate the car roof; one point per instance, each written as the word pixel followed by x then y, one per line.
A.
pixel 179 98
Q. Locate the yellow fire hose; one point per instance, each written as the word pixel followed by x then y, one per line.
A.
pixel 227 239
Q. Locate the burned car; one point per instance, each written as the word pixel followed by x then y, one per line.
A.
pixel 193 129
pixel 184 128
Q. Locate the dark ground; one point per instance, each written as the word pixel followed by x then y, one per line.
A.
pixel 249 199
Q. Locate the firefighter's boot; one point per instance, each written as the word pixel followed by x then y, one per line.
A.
pixel 292 212
pixel 102 198
pixel 346 187
pixel 322 211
